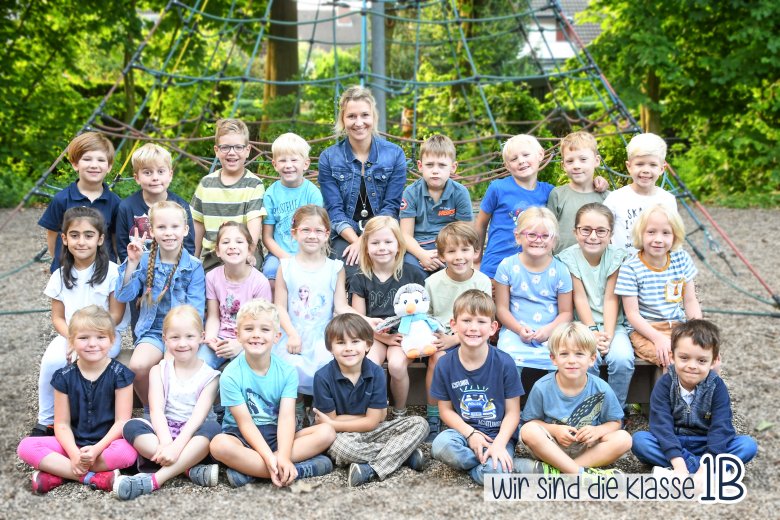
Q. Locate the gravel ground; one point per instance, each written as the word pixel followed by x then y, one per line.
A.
pixel 751 349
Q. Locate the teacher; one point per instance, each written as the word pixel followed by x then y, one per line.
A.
pixel 361 176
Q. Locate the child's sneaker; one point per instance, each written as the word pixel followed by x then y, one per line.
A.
pixel 530 466
pixel 206 475
pixel 130 487
pixel 103 480
pixel 237 479
pixel 40 430
pixel 434 425
pixel 416 460
pixel 660 471
pixel 314 467
pixel 359 474
pixel 43 482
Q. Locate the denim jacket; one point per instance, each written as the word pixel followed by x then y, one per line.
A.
pixel 339 179
pixel 709 414
pixel 188 286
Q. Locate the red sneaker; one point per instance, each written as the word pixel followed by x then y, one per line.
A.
pixel 44 482
pixel 103 480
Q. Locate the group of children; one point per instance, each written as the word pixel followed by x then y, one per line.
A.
pixel 290 336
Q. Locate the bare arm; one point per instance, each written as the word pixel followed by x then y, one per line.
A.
pixel 280 299
pixel 353 423
pixel 51 242
pixel 503 313
pixel 272 245
pixel 212 320
pixel 255 229
pixel 428 259
pixel 116 309
pixel 565 315
pixel 58 318
pixel 340 304
pixel 642 326
pixel 692 307
pixel 611 305
pixel 200 233
pixel 581 304
pixel 480 226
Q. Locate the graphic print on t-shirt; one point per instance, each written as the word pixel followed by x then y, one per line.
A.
pixel 673 290
pixel 474 404
pixel 256 404
pixel 586 411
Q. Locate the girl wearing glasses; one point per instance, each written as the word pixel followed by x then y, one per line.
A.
pixel 310 274
pixel 594 264
pixel 533 295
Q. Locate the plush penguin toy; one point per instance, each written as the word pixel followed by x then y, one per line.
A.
pixel 411 319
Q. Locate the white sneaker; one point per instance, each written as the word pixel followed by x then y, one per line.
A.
pixel 660 471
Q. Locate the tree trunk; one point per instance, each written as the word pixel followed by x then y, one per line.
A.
pixel 650 117
pixel 281 62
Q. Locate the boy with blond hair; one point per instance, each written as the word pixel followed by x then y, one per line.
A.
pixel 91 154
pixel 646 163
pixel 457 246
pixel 290 192
pixel 153 172
pixel 579 159
pixel 432 202
pixel 479 391
pixel 258 391
pixel 571 421
pixel 230 193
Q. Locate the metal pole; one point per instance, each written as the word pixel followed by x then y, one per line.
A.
pixel 378 62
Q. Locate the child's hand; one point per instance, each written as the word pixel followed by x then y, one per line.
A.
pixel 431 262
pixel 600 184
pixel 321 418
pixel 88 456
pixel 564 435
pixel 251 260
pixel 479 443
pixel 542 335
pixel 294 344
pixel 286 473
pixel 228 349
pixel 603 341
pixel 136 246
pixel 526 334
pixel 350 254
pixel 500 457
pixel 273 467
pixel 76 467
pixel 662 348
pixel 587 435
pixel 445 341
pixel 214 343
pixel 167 455
pixel 391 340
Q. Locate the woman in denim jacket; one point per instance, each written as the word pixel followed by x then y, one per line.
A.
pixel 164 277
pixel 361 176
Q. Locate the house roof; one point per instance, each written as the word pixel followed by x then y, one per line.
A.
pixel 586 31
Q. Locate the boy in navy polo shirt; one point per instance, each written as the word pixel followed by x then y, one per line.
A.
pixel 431 203
pixel 479 391
pixel 91 155
pixel 350 394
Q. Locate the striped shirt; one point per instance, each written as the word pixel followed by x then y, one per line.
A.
pixel 214 203
pixel 659 291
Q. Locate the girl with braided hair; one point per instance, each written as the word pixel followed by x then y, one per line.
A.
pixel 164 277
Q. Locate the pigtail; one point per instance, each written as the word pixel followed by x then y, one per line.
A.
pixel 66 268
pixel 170 276
pixel 150 273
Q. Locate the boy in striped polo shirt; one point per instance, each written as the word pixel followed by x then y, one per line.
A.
pixel 230 193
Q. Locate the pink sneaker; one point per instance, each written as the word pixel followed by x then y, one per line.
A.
pixel 44 482
pixel 104 480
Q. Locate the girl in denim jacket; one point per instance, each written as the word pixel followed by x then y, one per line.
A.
pixel 166 276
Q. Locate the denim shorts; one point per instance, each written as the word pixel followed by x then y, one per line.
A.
pixel 268 431
pixel 152 339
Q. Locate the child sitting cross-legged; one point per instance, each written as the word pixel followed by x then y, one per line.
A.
pixel 479 391
pixel 350 394
pixel 571 421
pixel 258 391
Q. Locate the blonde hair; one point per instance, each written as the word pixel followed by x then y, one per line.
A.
pixel 579 141
pixel 182 312
pixel 640 226
pixel 149 155
pixel 646 144
pixel 534 214
pixel 474 302
pixel 355 93
pixel 156 208
pixel 457 233
pixel 256 309
pixel 438 145
pixel 89 142
pixel 518 140
pixel 372 226
pixel 231 126
pixel 290 144
pixel 91 317
pixel 575 332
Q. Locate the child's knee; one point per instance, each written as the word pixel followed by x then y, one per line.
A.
pixel 621 439
pixel 532 434
pixel 221 447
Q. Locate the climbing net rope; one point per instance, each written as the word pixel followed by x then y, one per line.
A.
pixel 474 76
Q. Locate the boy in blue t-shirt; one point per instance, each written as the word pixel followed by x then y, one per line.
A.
pixel 430 203
pixel 258 391
pixel 91 154
pixel 290 192
pixel 479 391
pixel 350 394
pixel 571 421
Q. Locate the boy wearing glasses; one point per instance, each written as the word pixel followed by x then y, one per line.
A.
pixel 579 159
pixel 290 192
pixel 230 193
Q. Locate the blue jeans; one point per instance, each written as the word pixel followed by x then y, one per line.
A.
pixel 270 266
pixel 620 365
pixel 210 357
pixel 647 449
pixel 452 448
